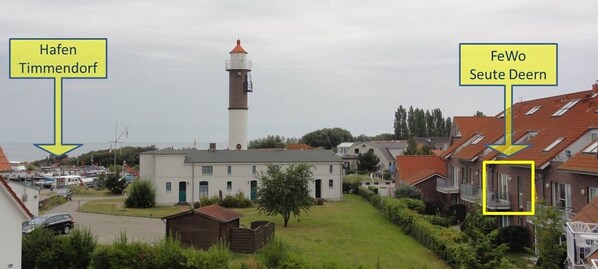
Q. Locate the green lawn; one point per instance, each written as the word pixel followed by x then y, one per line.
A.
pixel 115 206
pixel 349 233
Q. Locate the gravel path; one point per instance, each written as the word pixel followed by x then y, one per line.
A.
pixel 108 227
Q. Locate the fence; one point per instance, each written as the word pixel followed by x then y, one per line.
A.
pixel 244 240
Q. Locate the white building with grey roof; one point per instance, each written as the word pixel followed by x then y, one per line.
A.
pixel 183 176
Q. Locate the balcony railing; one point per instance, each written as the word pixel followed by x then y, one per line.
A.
pixel 237 64
pixel 582 241
pixel 446 186
pixel 471 193
pixel 498 200
pixel 566 212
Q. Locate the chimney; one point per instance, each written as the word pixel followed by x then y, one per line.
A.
pixel 212 146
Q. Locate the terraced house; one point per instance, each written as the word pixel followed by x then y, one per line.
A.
pixel 562 132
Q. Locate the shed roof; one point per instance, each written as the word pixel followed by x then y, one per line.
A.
pixel 215 212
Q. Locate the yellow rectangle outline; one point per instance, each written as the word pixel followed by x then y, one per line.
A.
pixel 509 213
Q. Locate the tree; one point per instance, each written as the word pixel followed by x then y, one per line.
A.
pixel 367 162
pixel 479 114
pixel 270 141
pixel 401 130
pixel 411 147
pixel 143 195
pixel 439 122
pixel 327 138
pixel 285 192
pixel 447 127
pixel 478 228
pixel 549 227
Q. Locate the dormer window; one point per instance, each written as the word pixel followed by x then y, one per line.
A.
pixel 533 110
pixel 556 142
pixel 593 148
pixel 477 140
pixel 565 108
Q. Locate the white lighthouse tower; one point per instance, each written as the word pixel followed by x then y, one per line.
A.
pixel 239 84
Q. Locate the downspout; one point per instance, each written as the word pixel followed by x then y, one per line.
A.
pixel 192 184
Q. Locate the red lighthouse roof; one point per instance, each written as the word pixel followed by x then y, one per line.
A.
pixel 238 48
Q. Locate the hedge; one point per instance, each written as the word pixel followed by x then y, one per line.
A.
pixel 447 243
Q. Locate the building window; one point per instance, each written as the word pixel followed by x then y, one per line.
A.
pixel 203 189
pixel 593 148
pixel 207 170
pixel 504 221
pixel 477 140
pixel 561 195
pixel 330 183
pixel 330 169
pixel 556 142
pixel 168 186
pixel 456 176
pixel 229 186
pixel 229 170
pixel 356 151
pixel 565 108
pixel 253 170
pixel 533 110
pixel 592 192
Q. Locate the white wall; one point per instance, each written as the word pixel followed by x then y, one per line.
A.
pixel 173 169
pixel 31 194
pixel 10 248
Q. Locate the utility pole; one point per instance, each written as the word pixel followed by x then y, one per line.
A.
pixel 117 139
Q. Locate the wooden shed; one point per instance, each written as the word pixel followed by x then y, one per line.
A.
pixel 203 227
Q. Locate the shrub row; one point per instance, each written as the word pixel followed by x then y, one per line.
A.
pixel 239 200
pixel 167 253
pixel 447 243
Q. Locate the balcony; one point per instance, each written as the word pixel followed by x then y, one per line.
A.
pixel 237 64
pixel 445 186
pixel 582 241
pixel 471 193
pixel 566 213
pixel 498 200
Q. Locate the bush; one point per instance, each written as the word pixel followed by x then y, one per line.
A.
pixel 114 184
pixel 142 195
pixel 167 253
pixel 237 201
pixel 516 237
pixel 408 191
pixel 43 249
pixel 206 201
pixel 319 201
pixel 52 202
pixel 352 182
pixel 373 189
pixel 438 220
pixel 447 243
pixel 277 255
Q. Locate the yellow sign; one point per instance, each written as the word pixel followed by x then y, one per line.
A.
pixel 58 58
pixel 508 64
pixel 485 188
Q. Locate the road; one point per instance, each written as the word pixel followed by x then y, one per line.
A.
pixel 108 227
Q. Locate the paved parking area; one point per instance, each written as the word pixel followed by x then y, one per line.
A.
pixel 108 227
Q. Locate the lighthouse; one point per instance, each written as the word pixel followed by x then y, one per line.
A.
pixel 239 85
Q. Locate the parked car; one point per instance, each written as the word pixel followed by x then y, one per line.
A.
pixel 59 222
pixel 66 193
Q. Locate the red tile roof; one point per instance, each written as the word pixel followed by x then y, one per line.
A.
pixel 589 213
pixel 466 124
pixel 570 126
pixel 238 48
pixel 582 162
pixel 299 147
pixel 219 213
pixel 415 168
pixel 4 164
pixel 16 199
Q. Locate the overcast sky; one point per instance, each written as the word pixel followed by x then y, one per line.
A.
pixel 316 64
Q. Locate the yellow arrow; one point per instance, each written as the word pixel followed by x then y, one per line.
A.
pixel 58 148
pixel 508 148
